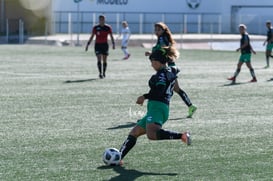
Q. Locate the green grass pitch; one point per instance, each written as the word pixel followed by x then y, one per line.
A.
pixel 57 117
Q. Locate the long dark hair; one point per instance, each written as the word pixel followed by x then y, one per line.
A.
pixel 167 31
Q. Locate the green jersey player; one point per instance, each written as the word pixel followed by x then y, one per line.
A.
pixel 269 43
pixel 246 50
pixel 164 38
pixel 161 90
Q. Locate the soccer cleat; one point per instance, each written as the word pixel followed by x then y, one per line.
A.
pixel 267 66
pixel 101 76
pixel 126 57
pixel 186 138
pixel 253 80
pixel 231 78
pixel 192 110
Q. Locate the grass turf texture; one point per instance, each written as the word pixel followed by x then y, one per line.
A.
pixel 57 117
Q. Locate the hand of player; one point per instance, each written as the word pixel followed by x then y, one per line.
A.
pixel 148 53
pixel 140 100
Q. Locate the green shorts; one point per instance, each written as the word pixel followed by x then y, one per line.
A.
pixel 245 57
pixel 157 112
pixel 269 47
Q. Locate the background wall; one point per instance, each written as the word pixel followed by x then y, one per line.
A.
pixel 210 16
pixel 201 16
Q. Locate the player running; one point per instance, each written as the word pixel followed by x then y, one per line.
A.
pixel 164 38
pixel 161 90
pixel 101 31
pixel 245 57
pixel 269 43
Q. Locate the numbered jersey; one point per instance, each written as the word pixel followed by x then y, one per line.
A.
pixel 102 32
pixel 161 85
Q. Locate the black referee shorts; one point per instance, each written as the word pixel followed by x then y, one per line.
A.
pixel 102 48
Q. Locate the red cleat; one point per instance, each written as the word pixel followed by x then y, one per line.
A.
pixel 127 57
pixel 253 80
pixel 231 78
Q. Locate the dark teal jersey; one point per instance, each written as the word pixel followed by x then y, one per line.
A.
pixel 161 85
pixel 269 34
pixel 245 39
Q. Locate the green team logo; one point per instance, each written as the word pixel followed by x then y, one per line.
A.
pixel 193 4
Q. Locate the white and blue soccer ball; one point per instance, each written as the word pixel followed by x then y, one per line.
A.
pixel 111 156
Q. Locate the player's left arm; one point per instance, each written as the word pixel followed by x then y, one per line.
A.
pixel 112 39
pixel 252 50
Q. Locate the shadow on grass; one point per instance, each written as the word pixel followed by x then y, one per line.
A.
pixel 236 83
pixel 130 174
pixel 78 81
pixel 127 125
pixel 175 119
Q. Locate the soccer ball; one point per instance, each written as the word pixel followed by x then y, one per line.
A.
pixel 111 156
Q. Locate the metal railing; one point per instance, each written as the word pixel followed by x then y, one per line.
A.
pixel 140 23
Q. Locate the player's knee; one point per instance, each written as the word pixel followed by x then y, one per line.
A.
pixel 151 137
pixel 137 131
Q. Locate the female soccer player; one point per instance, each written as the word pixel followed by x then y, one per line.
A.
pixel 164 38
pixel 125 32
pixel 101 31
pixel 269 43
pixel 161 90
pixel 245 57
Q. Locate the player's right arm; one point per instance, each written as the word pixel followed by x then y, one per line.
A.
pixel 90 39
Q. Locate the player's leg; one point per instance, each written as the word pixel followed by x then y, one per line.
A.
pixel 158 114
pixel 248 64
pixel 105 53
pixel 239 65
pixel 185 98
pixel 104 59
pixel 99 59
pixel 137 131
pixel 130 142
pixel 123 50
pixel 124 45
pixel 237 71
pixel 155 132
pixel 99 65
pixel 267 56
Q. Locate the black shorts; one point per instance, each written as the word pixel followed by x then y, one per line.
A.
pixel 101 48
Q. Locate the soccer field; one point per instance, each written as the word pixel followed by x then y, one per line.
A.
pixel 57 117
